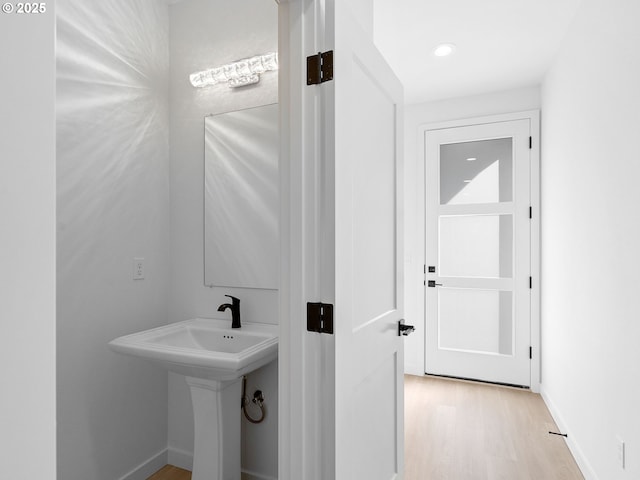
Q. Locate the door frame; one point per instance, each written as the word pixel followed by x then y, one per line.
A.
pixel 306 387
pixel 305 361
pixel 419 276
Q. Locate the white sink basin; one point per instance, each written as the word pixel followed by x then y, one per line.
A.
pixel 204 348
pixel 213 356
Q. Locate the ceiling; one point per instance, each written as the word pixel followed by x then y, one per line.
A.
pixel 501 44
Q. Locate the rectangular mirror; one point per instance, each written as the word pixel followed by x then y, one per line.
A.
pixel 241 199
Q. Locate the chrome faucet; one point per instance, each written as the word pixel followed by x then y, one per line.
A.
pixel 235 310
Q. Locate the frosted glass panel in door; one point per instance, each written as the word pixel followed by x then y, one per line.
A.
pixel 476 246
pixel 475 320
pixel 476 172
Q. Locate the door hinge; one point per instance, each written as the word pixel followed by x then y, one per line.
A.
pixel 320 68
pixel 530 353
pixel 530 143
pixel 530 282
pixel 530 212
pixel 320 317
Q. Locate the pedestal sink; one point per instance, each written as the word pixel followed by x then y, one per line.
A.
pixel 213 357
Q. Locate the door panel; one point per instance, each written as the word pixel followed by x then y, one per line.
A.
pixel 477 221
pixel 365 137
pixel 373 196
pixel 378 385
pixel 475 320
pixel 476 246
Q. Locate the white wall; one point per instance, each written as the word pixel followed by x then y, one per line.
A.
pixel 113 205
pixel 206 34
pixel 590 237
pixel 363 12
pixel 417 116
pixel 27 245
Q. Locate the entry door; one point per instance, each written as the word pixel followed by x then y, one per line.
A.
pixel 364 146
pixel 478 252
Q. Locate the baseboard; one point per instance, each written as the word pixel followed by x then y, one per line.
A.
pixel 414 370
pixel 576 451
pixel 148 468
pixel 180 458
pixel 246 475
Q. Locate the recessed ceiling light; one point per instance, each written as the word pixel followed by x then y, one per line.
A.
pixel 471 159
pixel 467 181
pixel 444 49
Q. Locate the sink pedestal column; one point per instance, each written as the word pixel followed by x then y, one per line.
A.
pixel 216 415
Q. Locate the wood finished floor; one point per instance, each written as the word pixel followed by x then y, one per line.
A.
pixel 169 472
pixel 458 430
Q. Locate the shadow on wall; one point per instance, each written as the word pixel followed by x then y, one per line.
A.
pixel 112 205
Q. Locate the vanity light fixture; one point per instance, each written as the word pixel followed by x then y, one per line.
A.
pixel 237 74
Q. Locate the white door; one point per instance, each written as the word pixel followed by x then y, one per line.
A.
pixel 364 140
pixel 477 272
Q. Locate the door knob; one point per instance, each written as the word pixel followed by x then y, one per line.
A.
pixel 432 283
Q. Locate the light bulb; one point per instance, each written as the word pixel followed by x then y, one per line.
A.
pixel 444 49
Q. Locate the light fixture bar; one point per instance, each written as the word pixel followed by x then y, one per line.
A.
pixel 238 74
